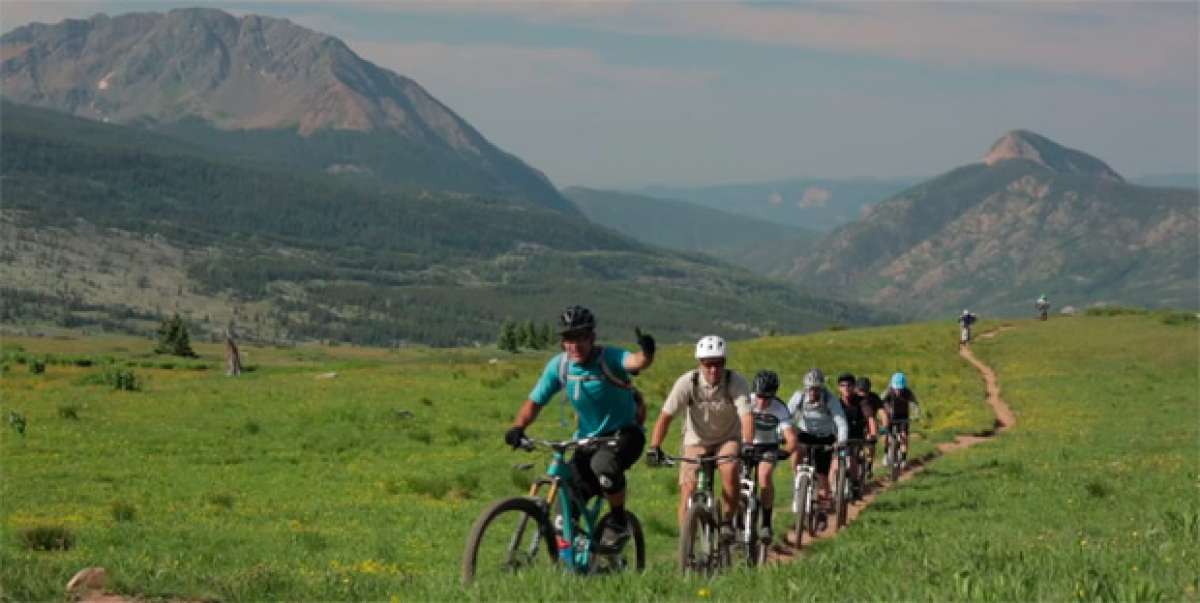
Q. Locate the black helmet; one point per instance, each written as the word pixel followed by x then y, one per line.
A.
pixel 846 378
pixel 864 383
pixel 766 383
pixel 575 319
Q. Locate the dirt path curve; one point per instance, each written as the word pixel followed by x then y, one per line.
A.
pixel 1005 420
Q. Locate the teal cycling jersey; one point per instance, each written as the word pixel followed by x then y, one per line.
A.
pixel 602 406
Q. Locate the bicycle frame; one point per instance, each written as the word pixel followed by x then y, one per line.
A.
pixel 576 556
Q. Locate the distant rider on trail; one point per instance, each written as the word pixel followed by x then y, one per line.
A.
pixel 898 404
pixel 598 384
pixel 716 404
pixel 965 320
pixel 771 418
pixel 863 388
pixel 820 421
pixel 1043 307
pixel 860 415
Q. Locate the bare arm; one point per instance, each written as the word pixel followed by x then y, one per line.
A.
pixel 636 362
pixel 528 413
pixel 747 428
pixel 660 430
pixel 789 438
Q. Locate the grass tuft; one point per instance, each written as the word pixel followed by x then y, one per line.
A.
pixel 123 511
pixel 47 538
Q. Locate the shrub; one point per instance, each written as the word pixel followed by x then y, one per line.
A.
pixel 46 538
pixel 224 501
pixel 252 427
pixel 69 411
pixel 116 378
pixel 173 338
pixel 1113 311
pixel 37 366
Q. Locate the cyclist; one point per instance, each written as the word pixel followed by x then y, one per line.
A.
pixel 771 418
pixel 819 420
pixel 1043 306
pixel 899 403
pixel 860 420
pixel 863 387
pixel 965 320
pixel 598 385
pixel 716 402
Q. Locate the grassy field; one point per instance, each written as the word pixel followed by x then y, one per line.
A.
pixel 281 484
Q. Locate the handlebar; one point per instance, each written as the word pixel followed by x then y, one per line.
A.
pixel 670 461
pixel 531 444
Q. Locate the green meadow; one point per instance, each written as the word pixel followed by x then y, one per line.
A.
pixel 289 483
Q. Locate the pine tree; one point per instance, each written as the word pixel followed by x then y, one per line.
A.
pixel 530 335
pixel 508 337
pixel 546 336
pixel 173 338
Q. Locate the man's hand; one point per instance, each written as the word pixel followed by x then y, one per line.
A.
pixel 655 456
pixel 645 341
pixel 513 436
pixel 748 453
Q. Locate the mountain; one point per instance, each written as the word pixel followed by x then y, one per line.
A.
pixel 1033 217
pixel 758 245
pixel 115 226
pixel 809 203
pixel 261 87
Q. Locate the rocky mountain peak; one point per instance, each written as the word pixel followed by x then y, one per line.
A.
pixel 1023 144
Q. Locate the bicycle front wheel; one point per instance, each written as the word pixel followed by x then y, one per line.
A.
pixel 842 500
pixel 512 535
pixel 630 554
pixel 802 507
pixel 894 457
pixel 699 546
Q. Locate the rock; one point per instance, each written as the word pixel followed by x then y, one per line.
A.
pixel 329 375
pixel 1068 311
pixel 87 580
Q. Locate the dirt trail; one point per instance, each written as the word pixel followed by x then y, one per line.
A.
pixel 1005 420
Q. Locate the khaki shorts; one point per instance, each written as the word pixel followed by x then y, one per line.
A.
pixel 689 471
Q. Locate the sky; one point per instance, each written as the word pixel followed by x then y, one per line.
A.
pixel 630 94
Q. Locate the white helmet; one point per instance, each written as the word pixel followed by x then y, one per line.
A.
pixel 710 346
pixel 965 312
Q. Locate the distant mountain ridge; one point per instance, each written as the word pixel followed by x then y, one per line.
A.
pixel 758 245
pixel 819 204
pixel 1033 218
pixel 231 80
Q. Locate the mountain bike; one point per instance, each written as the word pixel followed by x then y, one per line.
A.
pixel 1043 311
pixel 523 532
pixel 747 525
pixel 857 471
pixel 895 454
pixel 804 495
pixel 702 550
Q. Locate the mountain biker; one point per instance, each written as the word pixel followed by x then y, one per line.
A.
pixel 863 387
pixel 1043 306
pixel 771 418
pixel 820 421
pixel 860 418
pixel 716 402
pixel 898 403
pixel 965 320
pixel 598 385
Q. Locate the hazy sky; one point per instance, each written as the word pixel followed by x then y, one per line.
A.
pixel 626 94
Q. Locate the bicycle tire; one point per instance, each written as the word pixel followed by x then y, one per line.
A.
pixel 894 457
pixel 842 493
pixel 524 510
pixel 749 531
pixel 699 528
pixel 803 494
pixel 638 540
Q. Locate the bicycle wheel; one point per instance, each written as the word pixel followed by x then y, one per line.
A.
pixel 747 531
pixel 841 497
pixel 507 538
pixel 699 549
pixel 802 507
pixel 631 554
pixel 894 457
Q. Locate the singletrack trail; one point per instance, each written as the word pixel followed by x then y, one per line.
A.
pixel 1005 420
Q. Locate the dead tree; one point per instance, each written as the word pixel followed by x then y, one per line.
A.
pixel 233 359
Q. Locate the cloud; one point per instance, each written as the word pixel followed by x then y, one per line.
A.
pixel 498 66
pixel 1144 44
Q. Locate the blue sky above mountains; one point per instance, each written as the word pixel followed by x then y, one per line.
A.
pixel 628 94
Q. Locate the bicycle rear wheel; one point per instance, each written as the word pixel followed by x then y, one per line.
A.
pixel 894 456
pixel 631 554
pixel 510 536
pixel 699 547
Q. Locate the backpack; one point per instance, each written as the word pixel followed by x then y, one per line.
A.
pixel 696 384
pixel 608 375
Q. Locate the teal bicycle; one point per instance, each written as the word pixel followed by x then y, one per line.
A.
pixel 526 532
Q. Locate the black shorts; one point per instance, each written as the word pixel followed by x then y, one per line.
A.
pixel 821 458
pixel 602 469
pixel 767 453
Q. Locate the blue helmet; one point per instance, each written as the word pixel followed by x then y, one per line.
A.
pixel 899 381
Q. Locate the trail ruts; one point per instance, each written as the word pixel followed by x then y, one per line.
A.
pixel 1004 421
